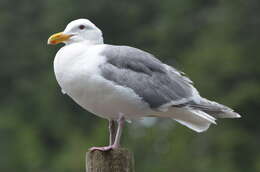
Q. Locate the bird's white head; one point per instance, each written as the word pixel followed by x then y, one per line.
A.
pixel 80 30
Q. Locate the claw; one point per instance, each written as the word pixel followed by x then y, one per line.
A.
pixel 105 148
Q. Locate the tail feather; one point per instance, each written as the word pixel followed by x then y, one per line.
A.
pixel 198 116
pixel 196 120
pixel 215 109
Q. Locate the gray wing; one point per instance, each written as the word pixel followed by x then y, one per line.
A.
pixel 155 82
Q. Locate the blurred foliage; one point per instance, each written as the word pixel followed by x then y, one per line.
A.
pixel 215 42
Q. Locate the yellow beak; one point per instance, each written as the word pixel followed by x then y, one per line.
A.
pixel 58 38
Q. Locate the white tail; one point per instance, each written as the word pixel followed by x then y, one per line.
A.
pixel 196 120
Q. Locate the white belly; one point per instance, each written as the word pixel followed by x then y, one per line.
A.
pixel 79 76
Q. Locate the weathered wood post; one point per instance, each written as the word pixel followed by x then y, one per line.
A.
pixel 117 160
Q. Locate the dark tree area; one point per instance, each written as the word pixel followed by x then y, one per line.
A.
pixel 216 43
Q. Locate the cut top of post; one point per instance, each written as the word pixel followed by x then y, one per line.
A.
pixel 117 160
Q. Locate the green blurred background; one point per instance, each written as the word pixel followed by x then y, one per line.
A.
pixel 216 43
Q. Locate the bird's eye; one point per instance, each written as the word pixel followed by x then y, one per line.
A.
pixel 81 27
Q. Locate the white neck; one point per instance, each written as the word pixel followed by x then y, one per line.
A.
pixel 87 42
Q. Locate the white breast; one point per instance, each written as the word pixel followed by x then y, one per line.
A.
pixel 77 72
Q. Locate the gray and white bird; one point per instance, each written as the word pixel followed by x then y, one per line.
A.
pixel 121 83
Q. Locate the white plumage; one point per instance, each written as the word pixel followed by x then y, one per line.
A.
pixel 119 82
pixel 80 77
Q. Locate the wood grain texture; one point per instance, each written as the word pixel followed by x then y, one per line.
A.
pixel 118 160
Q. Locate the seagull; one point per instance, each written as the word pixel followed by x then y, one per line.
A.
pixel 121 83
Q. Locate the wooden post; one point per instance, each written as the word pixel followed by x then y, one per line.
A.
pixel 117 160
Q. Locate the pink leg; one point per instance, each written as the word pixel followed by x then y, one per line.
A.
pixel 112 131
pixel 104 148
pixel 116 143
